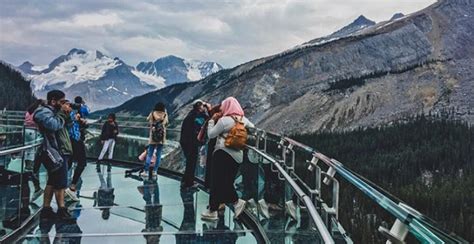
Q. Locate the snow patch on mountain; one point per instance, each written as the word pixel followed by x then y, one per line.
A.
pixel 151 79
pixel 77 68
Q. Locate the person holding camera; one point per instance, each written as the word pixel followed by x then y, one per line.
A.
pixel 76 132
pixel 189 139
pixel 53 121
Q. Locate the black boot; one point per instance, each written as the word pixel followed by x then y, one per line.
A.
pixel 47 213
pixel 63 214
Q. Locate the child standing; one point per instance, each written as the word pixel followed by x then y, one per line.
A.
pixel 108 136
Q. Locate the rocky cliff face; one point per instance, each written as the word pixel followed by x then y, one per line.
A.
pixel 420 63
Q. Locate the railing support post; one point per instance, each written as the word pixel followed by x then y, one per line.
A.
pixel 397 233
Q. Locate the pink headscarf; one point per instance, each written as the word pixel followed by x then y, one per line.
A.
pixel 230 106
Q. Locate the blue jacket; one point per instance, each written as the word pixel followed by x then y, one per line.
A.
pixel 75 130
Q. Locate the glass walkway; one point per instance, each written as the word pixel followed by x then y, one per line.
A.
pixel 292 193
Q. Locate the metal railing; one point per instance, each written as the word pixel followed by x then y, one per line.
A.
pixel 407 218
pixel 407 221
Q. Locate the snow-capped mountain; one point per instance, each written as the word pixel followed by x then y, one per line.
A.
pixel 106 82
pixel 171 70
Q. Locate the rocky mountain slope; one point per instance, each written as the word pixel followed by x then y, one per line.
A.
pixel 108 82
pixel 419 63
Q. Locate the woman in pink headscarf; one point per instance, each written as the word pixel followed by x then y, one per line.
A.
pixel 226 160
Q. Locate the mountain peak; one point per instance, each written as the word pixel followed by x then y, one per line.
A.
pixel 397 16
pixel 76 51
pixel 362 20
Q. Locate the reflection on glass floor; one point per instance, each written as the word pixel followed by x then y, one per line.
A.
pixel 118 209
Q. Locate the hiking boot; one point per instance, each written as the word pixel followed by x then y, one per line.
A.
pixel 36 195
pixel 72 194
pixel 63 214
pixel 47 213
pixel 239 208
pixel 209 215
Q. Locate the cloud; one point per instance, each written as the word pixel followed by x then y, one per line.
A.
pixel 229 32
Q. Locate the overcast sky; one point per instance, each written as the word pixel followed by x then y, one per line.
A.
pixel 226 31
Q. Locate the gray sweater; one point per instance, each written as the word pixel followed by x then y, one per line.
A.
pixel 221 130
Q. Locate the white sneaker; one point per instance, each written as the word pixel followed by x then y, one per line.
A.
pixel 239 208
pixel 72 195
pixel 144 174
pixel 291 209
pixel 209 215
pixel 264 208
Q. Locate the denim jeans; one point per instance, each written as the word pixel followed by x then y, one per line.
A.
pixel 149 154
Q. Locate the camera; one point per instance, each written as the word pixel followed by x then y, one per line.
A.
pixel 76 106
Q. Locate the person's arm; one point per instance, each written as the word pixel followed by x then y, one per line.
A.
pixel 166 121
pixel 84 111
pixel 102 134
pixel 214 130
pixel 116 129
pixel 149 118
pixel 48 120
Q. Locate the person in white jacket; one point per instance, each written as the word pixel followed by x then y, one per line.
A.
pixel 226 160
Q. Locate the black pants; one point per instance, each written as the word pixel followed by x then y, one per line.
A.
pixel 210 150
pixel 191 155
pixel 224 171
pixel 79 156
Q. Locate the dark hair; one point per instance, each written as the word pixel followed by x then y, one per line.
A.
pixel 55 95
pixel 78 99
pixel 215 109
pixel 160 107
pixel 112 116
pixel 34 106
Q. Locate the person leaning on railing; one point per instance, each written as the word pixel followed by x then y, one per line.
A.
pixel 226 158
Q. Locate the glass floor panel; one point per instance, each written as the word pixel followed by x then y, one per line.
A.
pixel 118 209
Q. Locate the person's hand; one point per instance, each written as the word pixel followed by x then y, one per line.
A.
pixel 102 142
pixel 78 117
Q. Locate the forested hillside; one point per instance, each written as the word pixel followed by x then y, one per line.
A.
pixel 16 92
pixel 427 163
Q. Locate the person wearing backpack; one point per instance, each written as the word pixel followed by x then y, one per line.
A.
pixel 231 134
pixel 158 119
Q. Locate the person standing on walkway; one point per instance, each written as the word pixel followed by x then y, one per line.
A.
pixel 53 121
pixel 79 151
pixel 110 130
pixel 158 119
pixel 189 142
pixel 231 135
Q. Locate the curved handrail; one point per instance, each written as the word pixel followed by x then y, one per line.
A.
pixel 416 224
pixel 307 200
pixel 19 149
